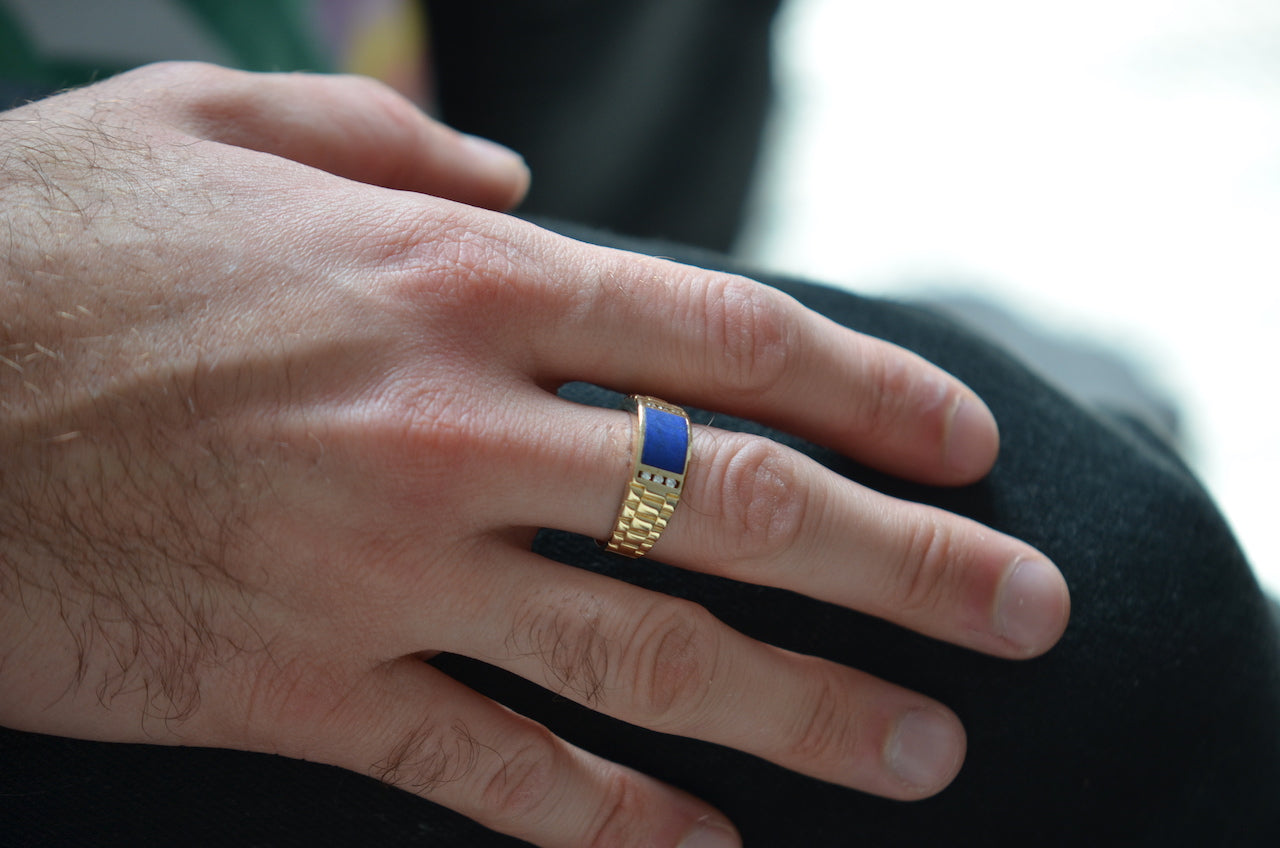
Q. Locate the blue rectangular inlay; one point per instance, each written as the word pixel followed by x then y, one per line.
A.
pixel 666 441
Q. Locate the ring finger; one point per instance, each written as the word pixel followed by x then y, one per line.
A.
pixel 756 511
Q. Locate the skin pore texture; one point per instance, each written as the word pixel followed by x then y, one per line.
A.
pixel 278 421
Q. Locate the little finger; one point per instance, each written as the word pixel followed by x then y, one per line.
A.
pixel 414 727
pixel 669 665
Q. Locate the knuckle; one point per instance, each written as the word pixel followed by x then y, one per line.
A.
pixel 827 730
pixel 171 70
pixel 623 818
pixel 888 386
pixel 925 572
pixel 416 436
pixel 216 97
pixel 763 504
pixel 750 330
pixel 461 280
pixel 447 259
pixel 672 660
pixel 376 93
pixel 286 692
pixel 523 784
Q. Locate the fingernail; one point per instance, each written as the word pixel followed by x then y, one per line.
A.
pixel 1030 604
pixel 502 163
pixel 925 749
pixel 972 438
pixel 492 152
pixel 711 835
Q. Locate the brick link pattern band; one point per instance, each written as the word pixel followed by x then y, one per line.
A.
pixel 654 489
pixel 641 520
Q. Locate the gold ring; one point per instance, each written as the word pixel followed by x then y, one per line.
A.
pixel 660 455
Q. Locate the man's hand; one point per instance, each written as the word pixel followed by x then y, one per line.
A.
pixel 277 419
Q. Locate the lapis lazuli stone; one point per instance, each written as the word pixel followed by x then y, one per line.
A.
pixel 666 441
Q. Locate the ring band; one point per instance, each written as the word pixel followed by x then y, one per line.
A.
pixel 660 455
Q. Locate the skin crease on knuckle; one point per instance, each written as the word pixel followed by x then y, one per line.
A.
pixel 750 333
pixel 759 505
pixel 669 661
pixel 522 783
pixel 656 671
pixel 931 561
pixel 828 732
pixel 479 288
pixel 211 99
pixel 890 383
pixel 623 815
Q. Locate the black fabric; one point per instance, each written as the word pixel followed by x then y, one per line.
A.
pixel 637 116
pixel 1156 720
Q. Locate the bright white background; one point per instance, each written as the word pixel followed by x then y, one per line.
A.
pixel 1110 168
